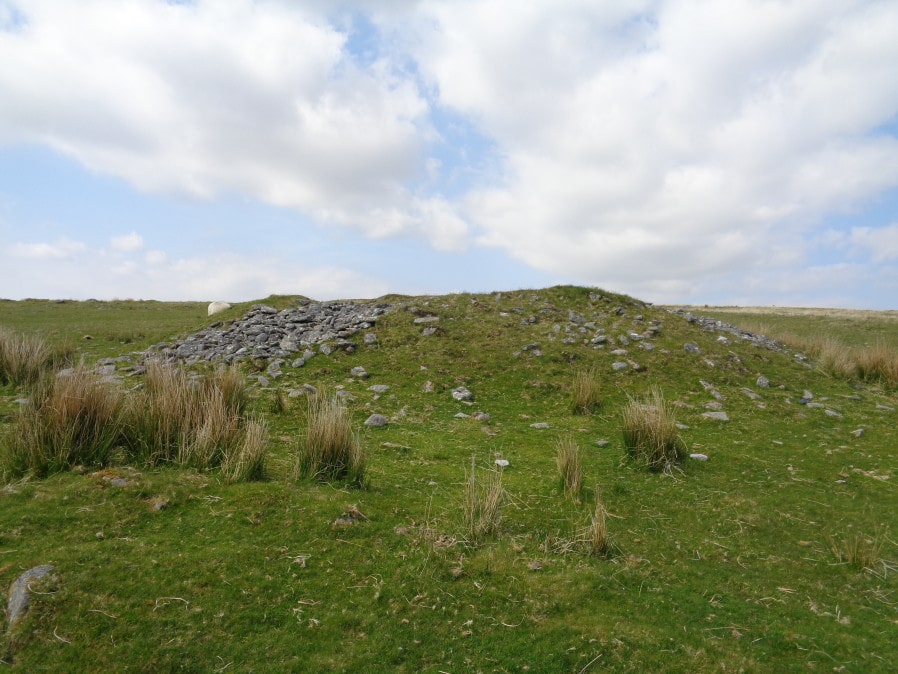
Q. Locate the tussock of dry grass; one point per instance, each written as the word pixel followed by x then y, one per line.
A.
pixel 860 551
pixel 596 534
pixel 80 419
pixel 585 391
pixel 482 507
pixel 331 450
pixel 650 432
pixel 70 420
pixel 567 459
pixel 25 360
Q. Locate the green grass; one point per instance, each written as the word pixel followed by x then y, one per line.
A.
pixel 736 563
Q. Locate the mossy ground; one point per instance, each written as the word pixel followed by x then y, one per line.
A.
pixel 725 564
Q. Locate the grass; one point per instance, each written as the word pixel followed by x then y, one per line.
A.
pixel 331 450
pixel 25 359
pixel 596 535
pixel 570 469
pixel 860 551
pixel 855 345
pixel 482 504
pixel 650 432
pixel 70 420
pixel 586 391
pixel 728 565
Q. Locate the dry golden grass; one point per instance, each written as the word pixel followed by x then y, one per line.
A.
pixel 585 391
pixel 596 535
pixel 482 507
pixel 248 461
pixel 567 459
pixel 650 432
pixel 70 420
pixel 331 450
pixel 862 552
pixel 25 360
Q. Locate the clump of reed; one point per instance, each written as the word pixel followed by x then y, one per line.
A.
pixel 482 504
pixel 331 449
pixel 586 391
pixel 69 420
pixel 570 469
pixel 650 432
pixel 24 359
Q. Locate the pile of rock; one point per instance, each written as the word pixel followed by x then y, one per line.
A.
pixel 265 333
pixel 713 325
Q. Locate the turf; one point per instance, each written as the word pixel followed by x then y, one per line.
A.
pixel 725 565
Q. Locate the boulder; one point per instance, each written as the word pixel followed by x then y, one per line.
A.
pixel 218 307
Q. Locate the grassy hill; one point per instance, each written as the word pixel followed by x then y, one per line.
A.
pixel 776 554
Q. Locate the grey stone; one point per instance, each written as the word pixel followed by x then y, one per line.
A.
pixel 20 593
pixel 325 349
pixel 429 332
pixel 481 416
pixel 299 362
pixel 426 319
pixel 376 421
pixel 539 425
pixel 618 366
pixel 359 371
pixel 692 348
pixel 699 457
pixel 462 415
pixel 462 393
pixel 858 432
pixel 370 338
pixel 751 394
pixel 832 413
pixel 716 416
pixel 763 382
pixel 379 388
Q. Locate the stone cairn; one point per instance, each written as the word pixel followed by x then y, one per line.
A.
pixel 265 333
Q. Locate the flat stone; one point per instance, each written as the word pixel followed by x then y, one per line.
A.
pixel 370 338
pixel 462 415
pixel 461 393
pixel 376 421
pixel 426 319
pixel 716 416
pixel 692 348
pixel 502 463
pixel 379 388
pixel 699 457
pixel 619 366
pixel 359 371
pixel 540 425
pixel 429 332
pixel 751 394
pixel 20 593
pixel 858 432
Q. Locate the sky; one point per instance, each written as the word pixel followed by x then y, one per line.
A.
pixel 681 151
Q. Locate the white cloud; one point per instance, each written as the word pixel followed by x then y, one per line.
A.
pixel 79 272
pixel 656 144
pixel 127 243
pixel 59 250
pixel 880 243
pixel 208 98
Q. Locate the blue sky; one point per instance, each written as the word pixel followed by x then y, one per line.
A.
pixel 679 151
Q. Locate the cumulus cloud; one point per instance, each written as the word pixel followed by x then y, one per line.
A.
pixel 74 270
pixel 667 140
pixel 209 98
pixel 666 148
pixel 127 243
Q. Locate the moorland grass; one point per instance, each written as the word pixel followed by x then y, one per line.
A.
pixel 331 449
pixel 650 432
pixel 728 566
pixel 586 390
pixel 78 418
pixel 25 359
pixel 482 504
pixel 570 468
pixel 70 420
